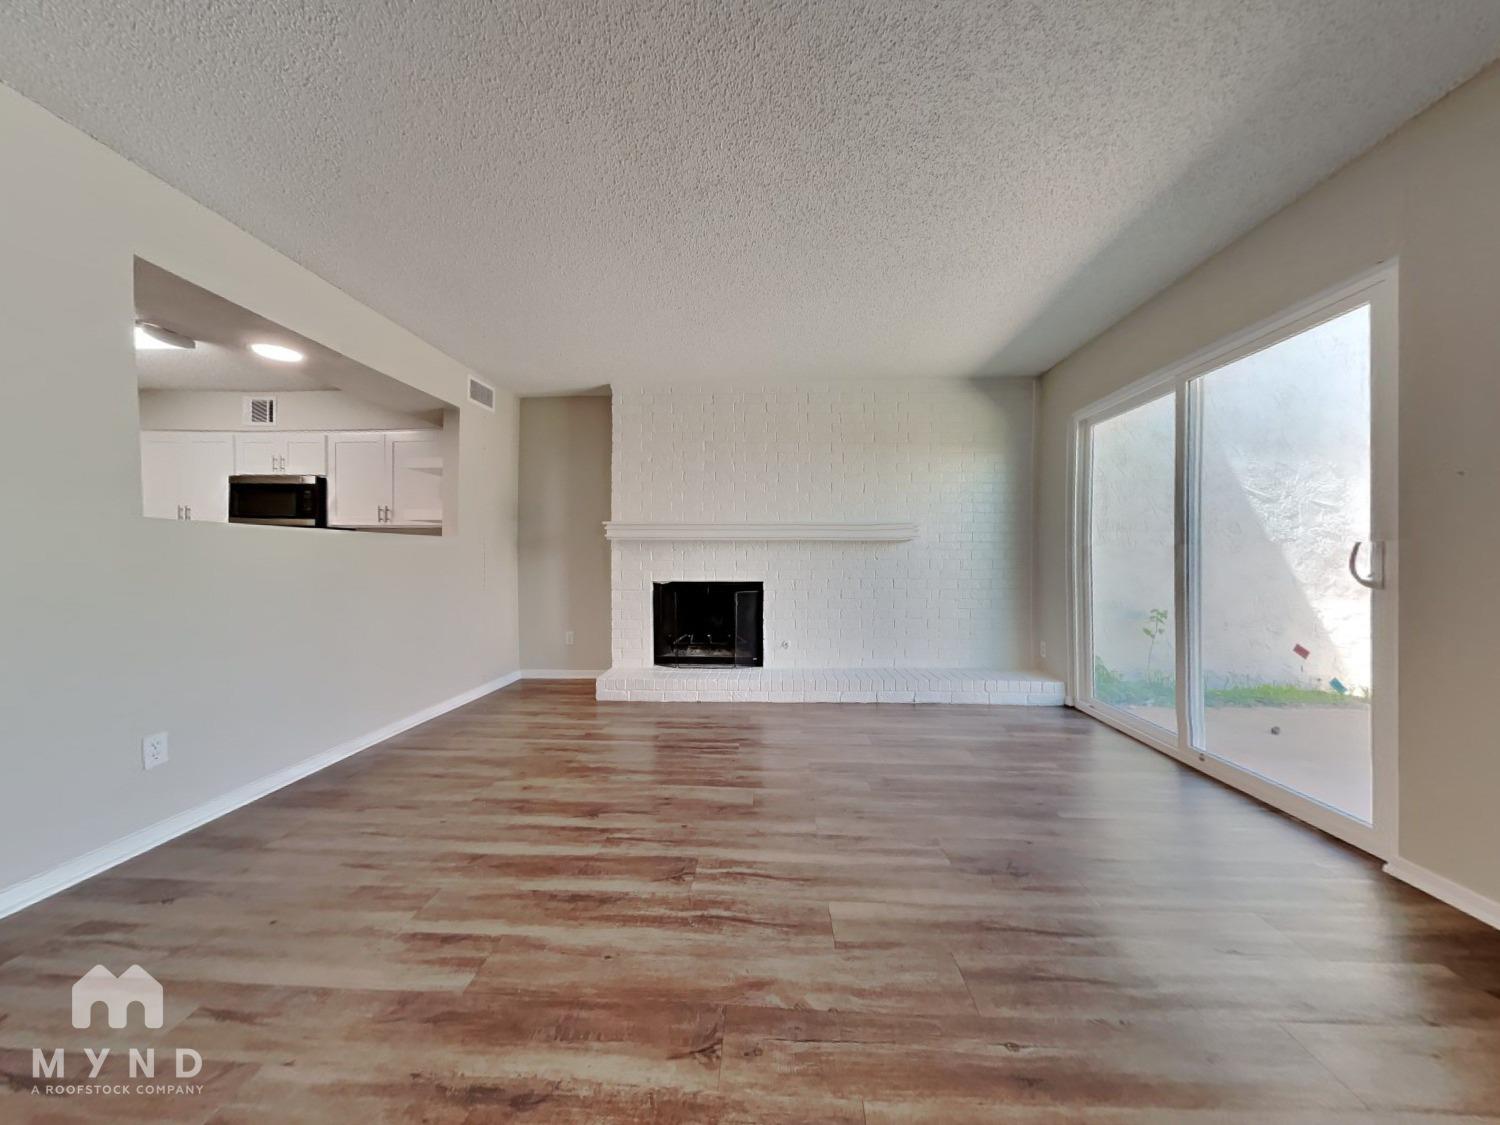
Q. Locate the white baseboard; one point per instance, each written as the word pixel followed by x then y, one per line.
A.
pixel 20 895
pixel 1456 895
pixel 561 674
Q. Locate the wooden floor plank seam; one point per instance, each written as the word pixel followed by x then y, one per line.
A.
pixel 1290 1032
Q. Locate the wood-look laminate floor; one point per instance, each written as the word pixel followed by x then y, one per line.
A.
pixel 541 908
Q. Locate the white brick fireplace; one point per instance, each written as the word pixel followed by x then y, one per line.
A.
pixel 890 525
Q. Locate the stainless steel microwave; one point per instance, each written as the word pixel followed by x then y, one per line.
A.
pixel 286 501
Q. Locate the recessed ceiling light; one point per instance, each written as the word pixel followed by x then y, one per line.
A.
pixel 277 353
pixel 153 337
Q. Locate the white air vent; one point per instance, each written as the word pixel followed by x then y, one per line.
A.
pixel 260 410
pixel 481 393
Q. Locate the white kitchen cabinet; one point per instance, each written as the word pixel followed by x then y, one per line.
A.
pixel 185 475
pixel 359 475
pixel 385 480
pixel 256 454
pixel 280 454
pixel 416 479
pixel 160 455
pixel 206 466
pixel 306 455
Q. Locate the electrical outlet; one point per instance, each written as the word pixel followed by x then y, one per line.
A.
pixel 568 637
pixel 1044 650
pixel 154 750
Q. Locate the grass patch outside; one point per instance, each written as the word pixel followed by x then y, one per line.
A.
pixel 1278 695
pixel 1159 691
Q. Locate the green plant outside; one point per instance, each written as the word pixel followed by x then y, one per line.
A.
pixel 1148 691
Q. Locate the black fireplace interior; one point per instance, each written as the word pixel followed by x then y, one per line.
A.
pixel 708 623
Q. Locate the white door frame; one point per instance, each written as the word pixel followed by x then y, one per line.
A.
pixel 1378 289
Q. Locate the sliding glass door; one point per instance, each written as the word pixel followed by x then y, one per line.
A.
pixel 1234 592
pixel 1131 551
pixel 1285 627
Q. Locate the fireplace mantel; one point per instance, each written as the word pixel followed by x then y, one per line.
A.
pixel 763 532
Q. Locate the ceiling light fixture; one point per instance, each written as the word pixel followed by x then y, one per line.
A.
pixel 277 353
pixel 153 337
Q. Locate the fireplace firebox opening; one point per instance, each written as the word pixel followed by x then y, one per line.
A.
pixel 701 623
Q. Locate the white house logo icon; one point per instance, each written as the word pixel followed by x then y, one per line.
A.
pixel 134 986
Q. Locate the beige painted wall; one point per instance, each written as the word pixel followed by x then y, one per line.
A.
pixel 295 410
pixel 253 647
pixel 564 557
pixel 1431 194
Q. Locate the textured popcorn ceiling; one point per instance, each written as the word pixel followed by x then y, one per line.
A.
pixel 564 194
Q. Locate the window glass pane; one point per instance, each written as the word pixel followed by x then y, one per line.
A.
pixel 1131 532
pixel 1285 635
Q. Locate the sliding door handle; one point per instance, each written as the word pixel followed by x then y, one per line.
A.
pixel 1376 580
